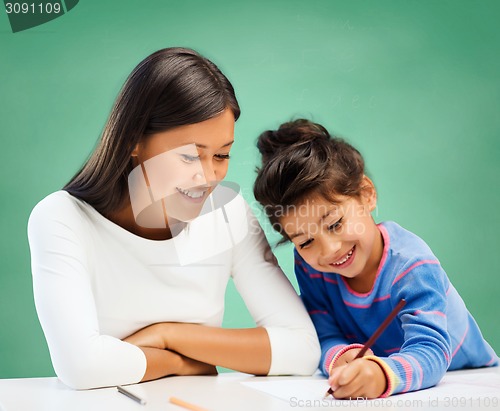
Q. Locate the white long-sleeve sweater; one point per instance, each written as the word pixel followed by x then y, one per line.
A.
pixel 96 283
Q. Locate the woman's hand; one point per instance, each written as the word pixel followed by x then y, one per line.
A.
pixel 153 336
pixel 359 378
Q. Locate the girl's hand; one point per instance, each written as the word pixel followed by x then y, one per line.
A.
pixel 153 336
pixel 349 357
pixel 360 378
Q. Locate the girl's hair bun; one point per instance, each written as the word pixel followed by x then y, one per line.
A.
pixel 301 160
pixel 288 136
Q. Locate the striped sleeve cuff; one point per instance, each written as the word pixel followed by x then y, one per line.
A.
pixel 334 354
pixel 390 376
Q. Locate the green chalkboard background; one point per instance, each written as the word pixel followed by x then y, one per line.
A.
pixel 414 84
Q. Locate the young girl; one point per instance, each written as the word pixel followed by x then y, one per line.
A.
pixel 352 272
pixel 132 258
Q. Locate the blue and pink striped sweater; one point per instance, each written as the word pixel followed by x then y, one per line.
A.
pixel 433 333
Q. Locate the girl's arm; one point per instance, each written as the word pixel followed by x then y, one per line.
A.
pixel 426 351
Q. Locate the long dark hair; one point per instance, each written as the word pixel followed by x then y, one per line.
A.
pixel 171 87
pixel 299 160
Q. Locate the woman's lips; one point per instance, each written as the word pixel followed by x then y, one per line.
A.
pixel 195 196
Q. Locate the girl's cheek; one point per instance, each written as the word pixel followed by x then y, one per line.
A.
pixel 354 230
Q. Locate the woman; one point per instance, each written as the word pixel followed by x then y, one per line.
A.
pixel 131 259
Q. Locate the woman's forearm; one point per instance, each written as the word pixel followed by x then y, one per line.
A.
pixel 161 363
pixel 246 350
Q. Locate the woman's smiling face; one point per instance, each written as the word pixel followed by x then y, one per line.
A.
pixel 182 166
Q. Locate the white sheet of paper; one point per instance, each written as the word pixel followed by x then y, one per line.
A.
pixel 286 390
pixel 467 389
pixel 459 387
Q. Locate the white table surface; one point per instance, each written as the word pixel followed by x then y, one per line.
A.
pixel 215 393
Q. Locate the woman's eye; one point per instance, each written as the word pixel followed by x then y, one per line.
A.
pixel 222 157
pixel 305 244
pixel 335 226
pixel 189 159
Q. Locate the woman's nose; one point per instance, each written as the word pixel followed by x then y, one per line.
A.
pixel 214 171
pixel 206 174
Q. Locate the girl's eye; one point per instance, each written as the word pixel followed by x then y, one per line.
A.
pixel 335 226
pixel 305 243
pixel 222 157
pixel 189 159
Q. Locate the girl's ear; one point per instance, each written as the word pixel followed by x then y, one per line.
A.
pixel 368 193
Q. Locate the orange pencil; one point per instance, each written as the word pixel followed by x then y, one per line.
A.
pixel 375 335
pixel 187 405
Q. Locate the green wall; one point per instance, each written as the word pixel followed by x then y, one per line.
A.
pixel 413 84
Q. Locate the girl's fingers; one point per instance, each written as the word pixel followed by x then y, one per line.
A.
pixel 334 376
pixel 349 381
pixel 361 378
pixel 351 390
pixel 348 373
pixel 341 380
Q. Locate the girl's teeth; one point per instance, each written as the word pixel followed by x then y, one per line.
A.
pixel 345 258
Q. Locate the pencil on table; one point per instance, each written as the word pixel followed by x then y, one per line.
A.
pixel 130 395
pixel 375 335
pixel 187 405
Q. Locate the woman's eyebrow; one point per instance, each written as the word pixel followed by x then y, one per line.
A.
pixel 225 145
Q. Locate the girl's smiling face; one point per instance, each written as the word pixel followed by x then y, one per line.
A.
pixel 339 237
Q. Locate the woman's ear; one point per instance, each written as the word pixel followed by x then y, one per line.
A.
pixel 368 193
pixel 135 151
pixel 134 155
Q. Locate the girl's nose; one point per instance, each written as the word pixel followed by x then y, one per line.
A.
pixel 329 248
